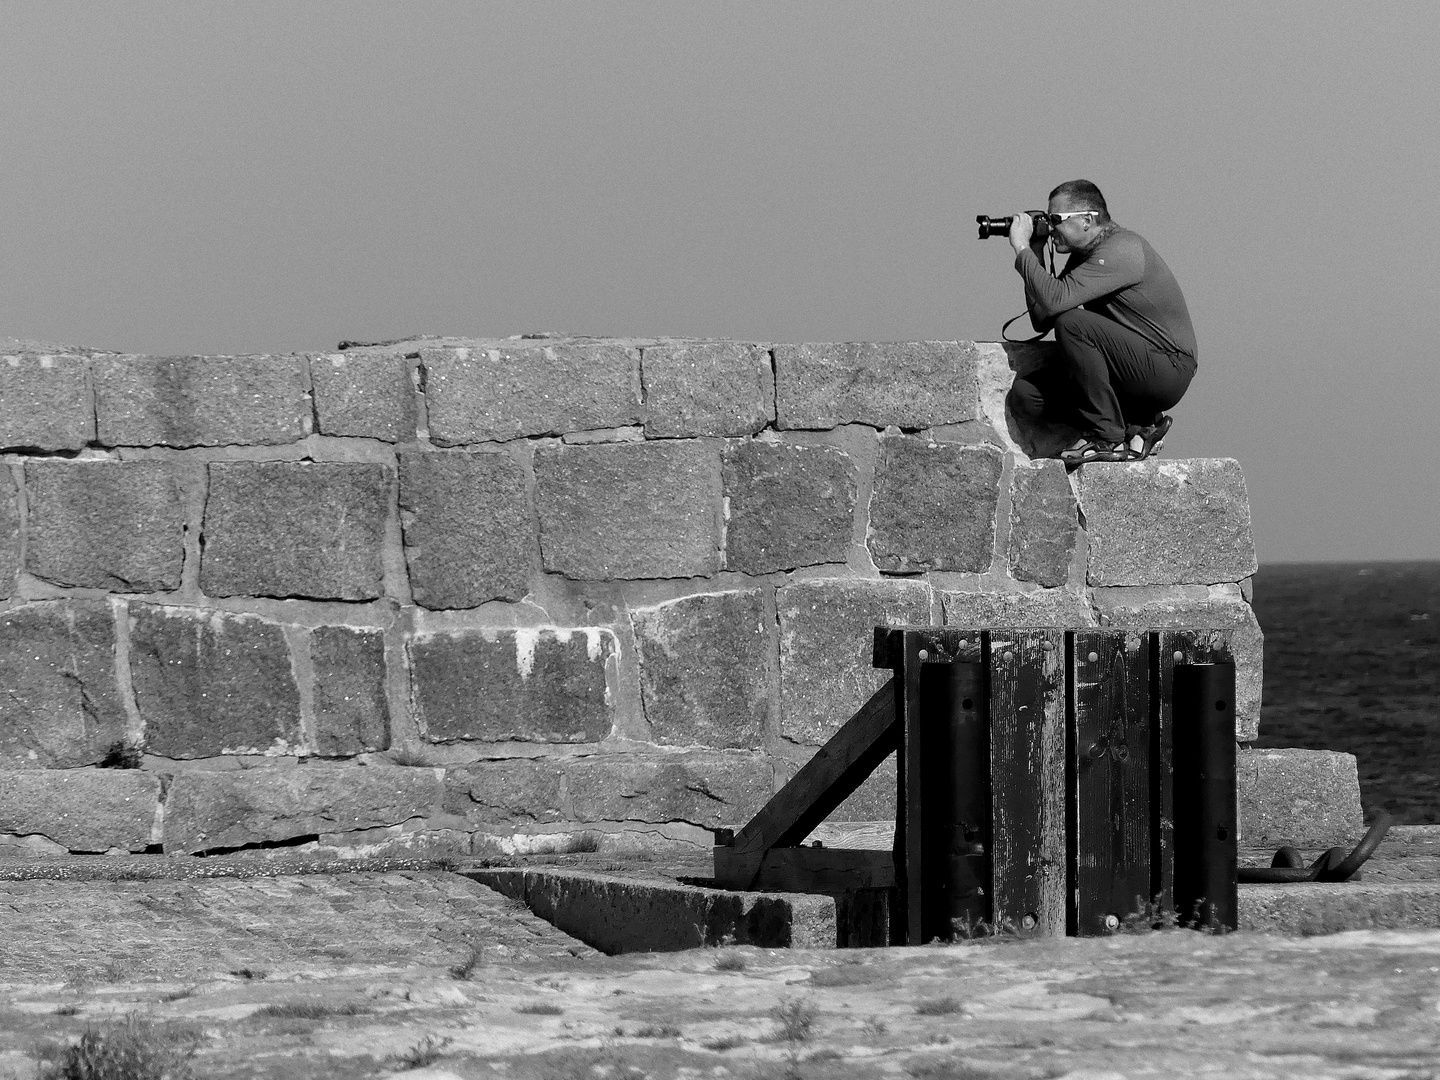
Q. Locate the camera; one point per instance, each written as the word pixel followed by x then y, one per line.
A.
pixel 1000 226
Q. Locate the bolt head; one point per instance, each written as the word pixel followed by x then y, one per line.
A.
pixel 1112 922
pixel 1093 657
pixel 923 654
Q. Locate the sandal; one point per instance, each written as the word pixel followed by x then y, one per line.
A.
pixel 1148 440
pixel 1087 450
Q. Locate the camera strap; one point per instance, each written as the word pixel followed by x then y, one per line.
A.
pixel 1010 322
pixel 1018 341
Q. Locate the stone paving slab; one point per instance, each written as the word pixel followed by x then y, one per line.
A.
pixel 282 926
pixel 1357 1006
pixel 361 974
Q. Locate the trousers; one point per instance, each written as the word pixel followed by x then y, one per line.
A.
pixel 1109 381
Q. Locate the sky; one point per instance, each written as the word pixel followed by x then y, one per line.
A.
pixel 256 176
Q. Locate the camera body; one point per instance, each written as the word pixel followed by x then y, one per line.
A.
pixel 1000 226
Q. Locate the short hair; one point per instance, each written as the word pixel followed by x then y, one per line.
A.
pixel 1084 196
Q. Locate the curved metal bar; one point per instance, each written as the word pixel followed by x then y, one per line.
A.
pixel 1274 875
pixel 1363 850
pixel 1332 866
pixel 1289 857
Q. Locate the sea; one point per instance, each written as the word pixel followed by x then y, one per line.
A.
pixel 1352 663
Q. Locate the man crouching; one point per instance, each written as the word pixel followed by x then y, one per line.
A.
pixel 1127 349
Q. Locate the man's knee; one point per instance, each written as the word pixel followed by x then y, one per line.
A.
pixel 1068 322
pixel 1025 399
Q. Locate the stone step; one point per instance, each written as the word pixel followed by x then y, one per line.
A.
pixel 1309 909
pixel 1399 886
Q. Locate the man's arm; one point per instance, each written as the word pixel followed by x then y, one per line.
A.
pixel 1047 296
pixel 1022 238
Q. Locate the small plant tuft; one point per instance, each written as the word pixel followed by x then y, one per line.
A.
pixel 724 1042
pixel 796 1020
pixel 1149 916
pixel 133 1049
pixel 657 1031
pixel 249 974
pixel 306 1010
pixel 70 1009
pixel 947 1069
pixel 874 1026
pixel 409 758
pixel 114 972
pixel 540 1008
pixel 423 1054
pixel 465 968
pixel 730 961
pixel 972 929
pixel 946 1006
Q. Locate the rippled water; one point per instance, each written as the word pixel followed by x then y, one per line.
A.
pixel 1352 662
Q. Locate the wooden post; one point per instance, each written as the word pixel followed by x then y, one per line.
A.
pixel 1027 779
pixel 942 808
pixel 1170 649
pixel 1109 677
pixel 1205 826
pixel 955 812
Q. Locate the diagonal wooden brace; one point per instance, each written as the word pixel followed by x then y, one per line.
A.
pixel 822 784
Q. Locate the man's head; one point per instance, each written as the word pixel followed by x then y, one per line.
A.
pixel 1084 219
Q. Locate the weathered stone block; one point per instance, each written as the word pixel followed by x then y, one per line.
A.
pixel 364 395
pixel 531 684
pixel 707 388
pixel 200 400
pixel 789 506
pixel 826 640
pixel 469 529
pixel 210 683
pixel 1042 607
pixel 105 525
pixel 629 510
pixel 1167 522
pixel 479 395
pixel 910 384
pixel 60 707
pixel 81 809
pixel 1309 798
pixel 934 506
pixel 208 811
pixel 408 841
pixel 1044 523
pixel 711 790
pixel 1192 607
pixel 707 669
pixel 9 533
pixel 292 528
pixel 44 403
pixel 351 713
pixel 515 791
pixel 997 365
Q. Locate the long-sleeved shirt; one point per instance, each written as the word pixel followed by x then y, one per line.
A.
pixel 1122 278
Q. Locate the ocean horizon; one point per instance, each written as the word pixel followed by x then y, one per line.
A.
pixel 1352 663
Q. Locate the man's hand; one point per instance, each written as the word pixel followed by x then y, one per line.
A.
pixel 1021 229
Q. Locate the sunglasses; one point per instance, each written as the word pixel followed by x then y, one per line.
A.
pixel 1056 219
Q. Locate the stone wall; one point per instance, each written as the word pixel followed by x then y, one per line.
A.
pixel 526 594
